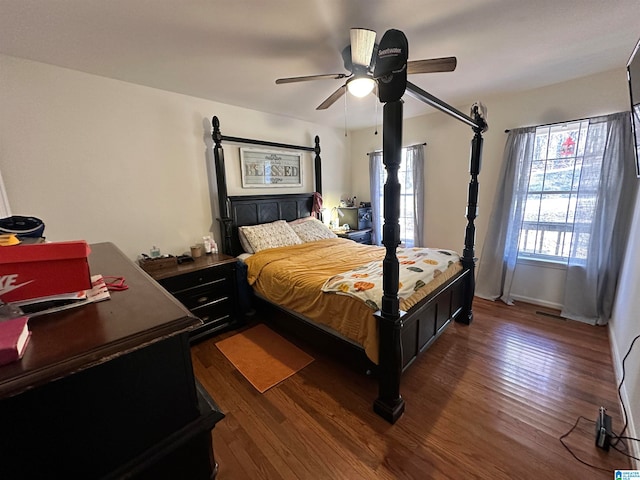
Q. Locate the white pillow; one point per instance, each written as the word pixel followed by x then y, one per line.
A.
pixel 300 220
pixel 312 230
pixel 270 235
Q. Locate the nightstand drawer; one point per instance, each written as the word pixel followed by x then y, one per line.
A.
pixel 204 294
pixel 218 311
pixel 361 237
pixel 199 277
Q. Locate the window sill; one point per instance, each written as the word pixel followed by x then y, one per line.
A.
pixel 542 263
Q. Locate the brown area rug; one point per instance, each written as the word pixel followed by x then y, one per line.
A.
pixel 263 356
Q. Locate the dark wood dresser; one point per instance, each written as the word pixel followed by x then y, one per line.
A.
pixel 107 390
pixel 207 287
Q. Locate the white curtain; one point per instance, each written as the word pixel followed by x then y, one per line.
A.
pixel 375 187
pixel 500 251
pixel 412 188
pixel 414 180
pixel 592 279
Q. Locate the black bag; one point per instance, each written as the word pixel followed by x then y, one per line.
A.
pixel 22 227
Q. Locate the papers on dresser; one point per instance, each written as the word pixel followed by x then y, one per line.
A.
pixel 56 303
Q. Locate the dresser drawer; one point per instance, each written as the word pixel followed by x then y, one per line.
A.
pixel 197 278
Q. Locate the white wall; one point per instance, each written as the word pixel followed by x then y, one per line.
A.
pixel 104 160
pixel 625 326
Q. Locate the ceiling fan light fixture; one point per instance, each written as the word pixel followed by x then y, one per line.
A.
pixel 362 43
pixel 360 86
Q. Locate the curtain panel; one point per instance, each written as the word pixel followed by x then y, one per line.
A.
pixel 411 177
pixel 591 282
pixel 500 252
pixel 375 187
pixel 415 181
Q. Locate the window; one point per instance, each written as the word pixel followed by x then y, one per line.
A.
pixel 5 211
pixel 563 195
pixel 552 214
pixel 407 200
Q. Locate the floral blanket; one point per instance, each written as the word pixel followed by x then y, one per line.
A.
pixel 418 266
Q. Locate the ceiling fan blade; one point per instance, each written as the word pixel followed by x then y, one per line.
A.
pixel 335 76
pixel 362 43
pixel 432 65
pixel 331 99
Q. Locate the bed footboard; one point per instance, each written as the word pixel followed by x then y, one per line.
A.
pixel 403 340
pixel 424 324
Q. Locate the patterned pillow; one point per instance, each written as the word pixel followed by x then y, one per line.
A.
pixel 312 230
pixel 246 246
pixel 270 235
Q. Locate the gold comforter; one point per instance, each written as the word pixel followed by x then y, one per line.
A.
pixel 293 277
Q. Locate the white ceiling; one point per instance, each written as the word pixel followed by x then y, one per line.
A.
pixel 232 51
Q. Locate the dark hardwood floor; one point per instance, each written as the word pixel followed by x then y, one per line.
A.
pixel 486 401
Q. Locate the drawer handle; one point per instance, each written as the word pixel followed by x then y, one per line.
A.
pixel 203 299
pixel 215 280
pixel 208 318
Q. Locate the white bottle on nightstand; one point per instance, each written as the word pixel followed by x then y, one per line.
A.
pixel 208 247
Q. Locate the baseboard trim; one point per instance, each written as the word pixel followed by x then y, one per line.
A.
pixel 537 301
pixel 617 357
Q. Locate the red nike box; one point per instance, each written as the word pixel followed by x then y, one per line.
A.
pixel 43 269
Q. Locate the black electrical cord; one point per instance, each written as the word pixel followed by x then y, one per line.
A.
pixel 618 438
pixel 571 452
pixel 626 454
pixel 624 409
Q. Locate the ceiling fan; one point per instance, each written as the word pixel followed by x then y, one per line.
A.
pixel 359 60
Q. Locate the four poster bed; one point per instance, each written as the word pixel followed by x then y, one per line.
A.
pixel 399 336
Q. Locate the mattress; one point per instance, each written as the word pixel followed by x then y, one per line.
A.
pixel 293 277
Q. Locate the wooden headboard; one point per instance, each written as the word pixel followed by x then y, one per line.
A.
pixel 256 209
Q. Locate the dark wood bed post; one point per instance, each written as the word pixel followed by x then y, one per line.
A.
pixel 317 165
pixel 221 181
pixel 468 254
pixel 479 125
pixel 389 404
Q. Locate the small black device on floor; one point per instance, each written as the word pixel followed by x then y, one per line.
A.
pixel 603 430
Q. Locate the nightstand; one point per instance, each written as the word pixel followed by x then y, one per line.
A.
pixel 359 236
pixel 207 287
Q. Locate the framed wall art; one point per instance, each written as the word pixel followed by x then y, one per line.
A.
pixel 270 168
